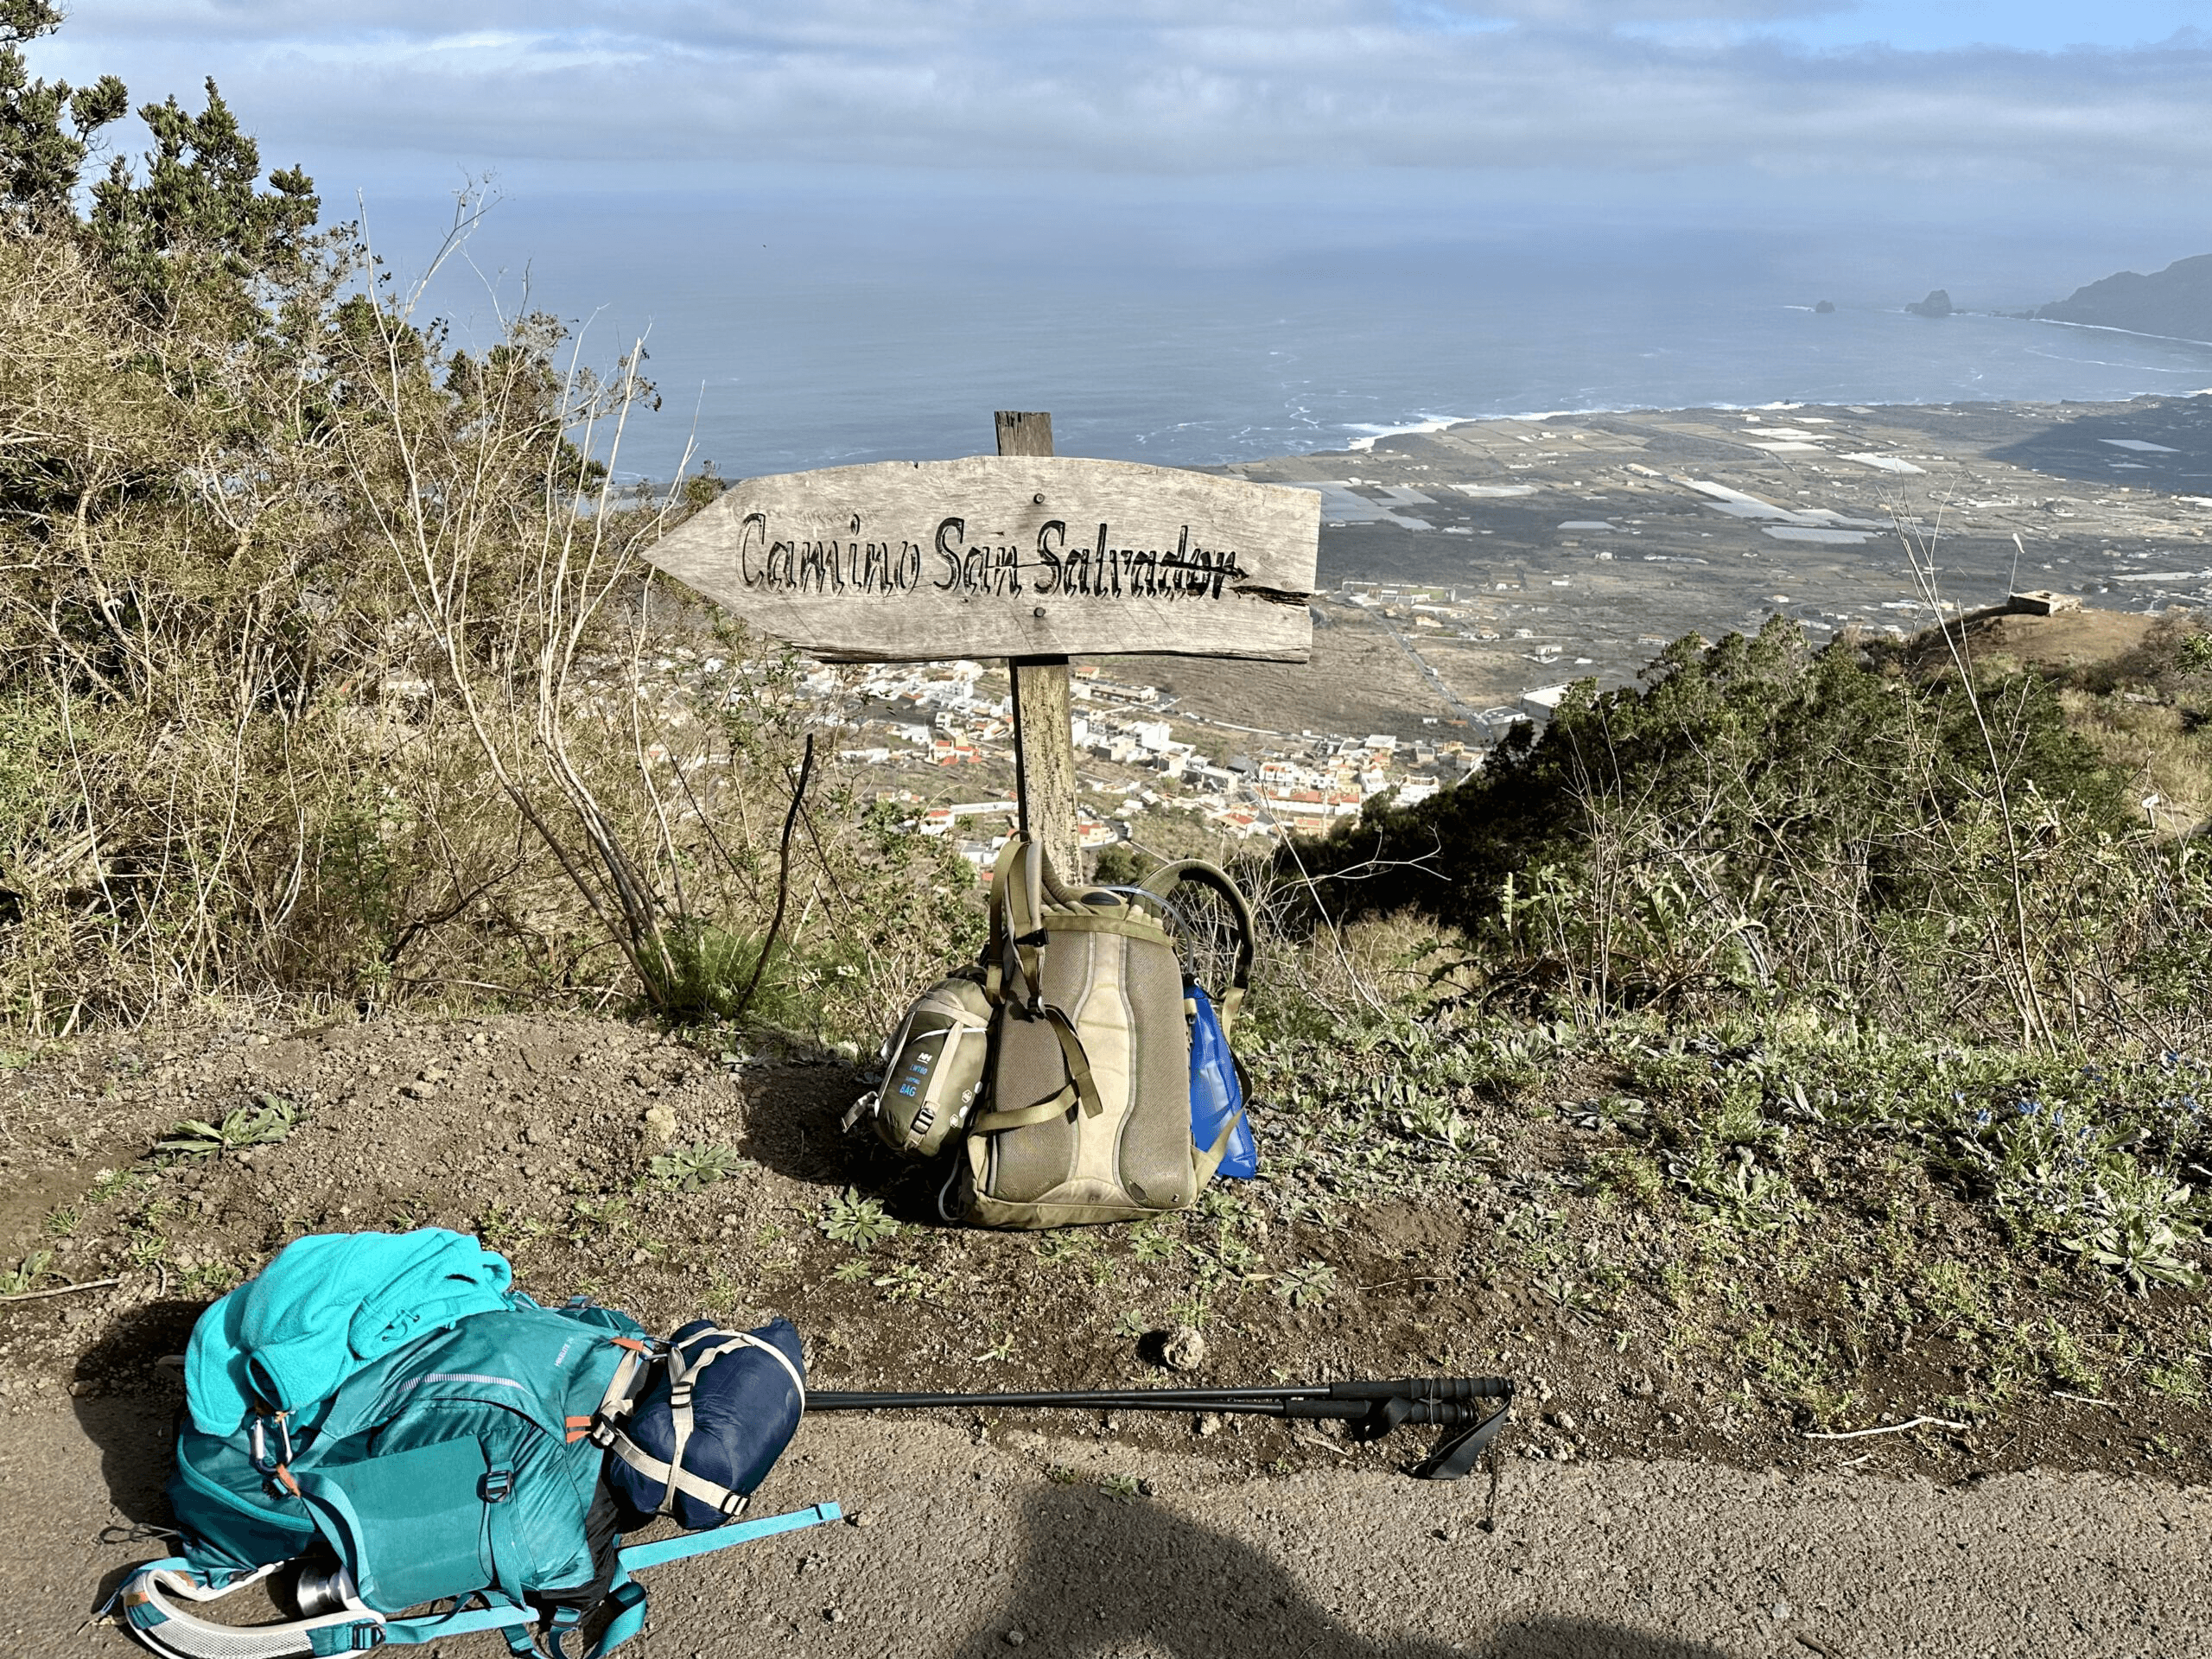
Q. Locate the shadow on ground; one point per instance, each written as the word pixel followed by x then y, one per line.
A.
pixel 1100 1578
pixel 2166 444
pixel 127 1403
pixel 130 1412
pixel 792 1114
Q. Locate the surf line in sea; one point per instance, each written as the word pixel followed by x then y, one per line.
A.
pixel 1055 564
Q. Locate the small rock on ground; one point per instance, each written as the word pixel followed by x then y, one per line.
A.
pixel 1185 1348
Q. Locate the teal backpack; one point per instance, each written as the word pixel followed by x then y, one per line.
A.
pixel 460 1466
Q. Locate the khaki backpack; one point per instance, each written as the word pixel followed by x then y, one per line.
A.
pixel 1063 1058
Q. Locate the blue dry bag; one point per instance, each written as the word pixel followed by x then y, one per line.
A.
pixel 1217 1092
pixel 710 1425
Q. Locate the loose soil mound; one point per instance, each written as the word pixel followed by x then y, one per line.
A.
pixel 2124 688
pixel 2068 639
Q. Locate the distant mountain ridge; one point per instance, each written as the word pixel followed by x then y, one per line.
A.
pixel 2176 300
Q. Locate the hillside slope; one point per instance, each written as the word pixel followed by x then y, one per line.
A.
pixel 2176 300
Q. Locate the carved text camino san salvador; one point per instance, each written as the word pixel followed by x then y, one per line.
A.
pixel 1052 565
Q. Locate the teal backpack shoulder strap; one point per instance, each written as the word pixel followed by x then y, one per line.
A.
pixel 154 1600
pixel 627 1597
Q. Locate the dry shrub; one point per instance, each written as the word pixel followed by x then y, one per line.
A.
pixel 328 672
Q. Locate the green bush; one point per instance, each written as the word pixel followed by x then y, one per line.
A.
pixel 1765 825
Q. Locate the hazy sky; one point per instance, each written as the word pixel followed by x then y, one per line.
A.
pixel 685 93
pixel 974 203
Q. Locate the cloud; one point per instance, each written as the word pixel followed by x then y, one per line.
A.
pixel 1598 17
pixel 1154 86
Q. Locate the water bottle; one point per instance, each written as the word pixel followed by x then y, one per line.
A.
pixel 1216 1095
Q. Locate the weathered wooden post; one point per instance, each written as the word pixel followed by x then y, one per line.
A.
pixel 1044 719
pixel 1024 555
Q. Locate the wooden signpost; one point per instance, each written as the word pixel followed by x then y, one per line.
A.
pixel 1021 555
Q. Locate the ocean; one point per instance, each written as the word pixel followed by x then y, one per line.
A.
pixel 836 339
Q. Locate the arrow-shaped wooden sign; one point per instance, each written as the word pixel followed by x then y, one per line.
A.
pixel 1022 555
pixel 1009 556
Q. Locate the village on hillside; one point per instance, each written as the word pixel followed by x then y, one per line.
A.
pixel 1137 752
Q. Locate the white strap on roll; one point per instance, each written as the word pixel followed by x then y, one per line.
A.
pixel 178 1635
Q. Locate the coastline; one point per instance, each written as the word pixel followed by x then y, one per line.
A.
pixel 1249 380
pixel 1372 436
pixel 2132 334
pixel 1623 531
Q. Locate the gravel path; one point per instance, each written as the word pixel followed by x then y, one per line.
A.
pixel 967 1548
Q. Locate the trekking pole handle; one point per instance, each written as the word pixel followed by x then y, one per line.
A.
pixel 1426 1388
pixel 1435 1413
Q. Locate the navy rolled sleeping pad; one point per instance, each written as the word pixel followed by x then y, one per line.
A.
pixel 745 1410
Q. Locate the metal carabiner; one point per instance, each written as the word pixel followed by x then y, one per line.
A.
pixel 257 1441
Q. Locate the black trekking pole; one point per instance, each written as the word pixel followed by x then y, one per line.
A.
pixel 1371 1409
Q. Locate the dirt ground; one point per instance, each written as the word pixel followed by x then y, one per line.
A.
pixel 538 1133
pixel 964 1543
pixel 1658 1504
